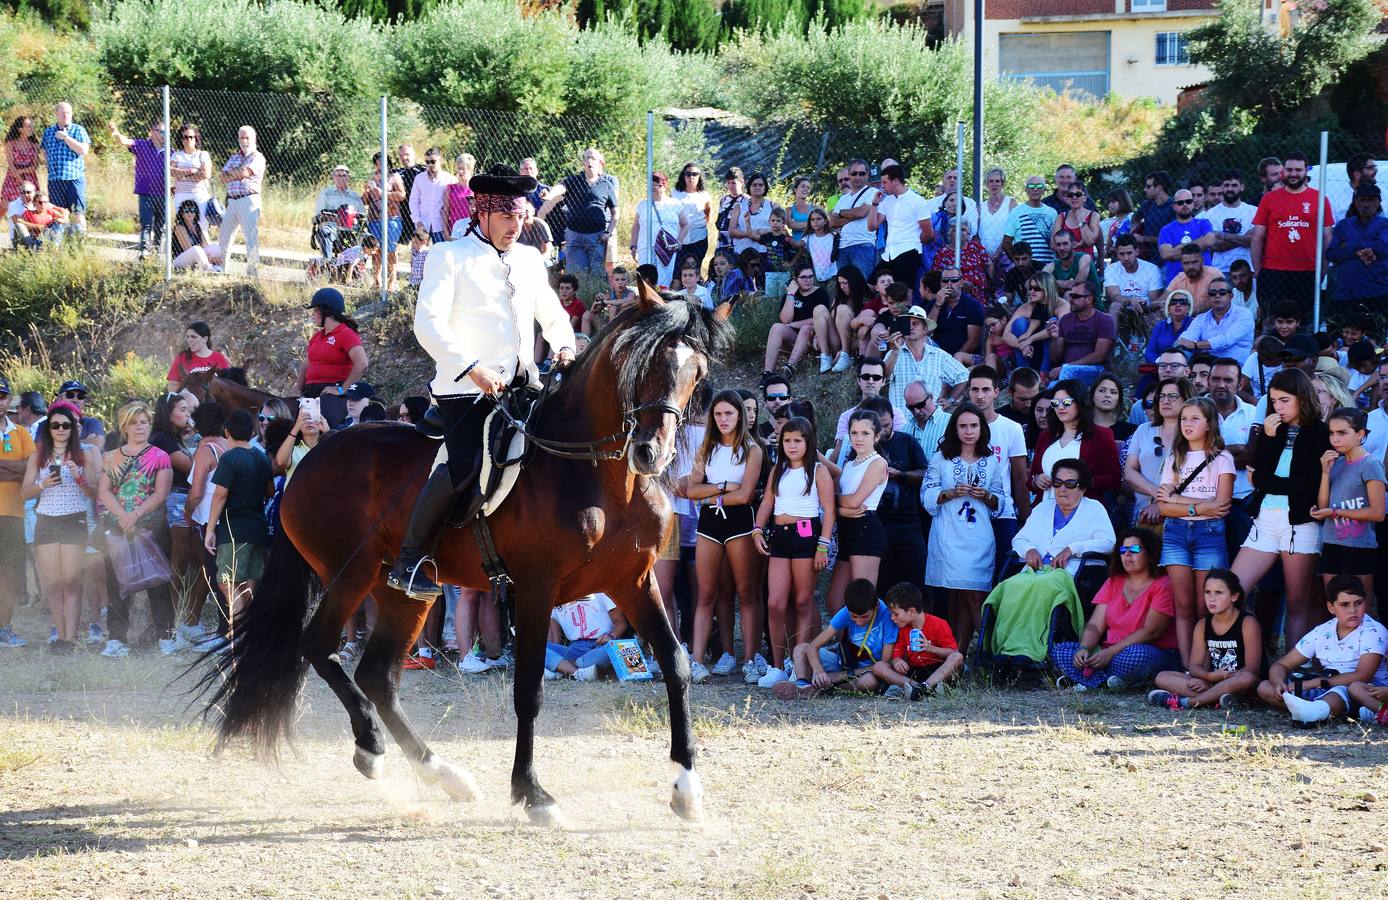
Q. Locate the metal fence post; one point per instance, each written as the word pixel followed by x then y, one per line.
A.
pixel 166 245
pixel 978 111
pixel 1320 226
pixel 959 198
pixel 384 179
pixel 649 236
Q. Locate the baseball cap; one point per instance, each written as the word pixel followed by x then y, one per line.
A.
pixel 73 385
pixel 359 390
pixel 4 385
pixel 1301 346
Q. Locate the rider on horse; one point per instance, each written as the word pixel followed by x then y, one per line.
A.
pixel 478 305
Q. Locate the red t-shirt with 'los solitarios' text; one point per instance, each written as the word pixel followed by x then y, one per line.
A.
pixel 1290 220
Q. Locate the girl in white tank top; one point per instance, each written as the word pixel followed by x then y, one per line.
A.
pixel 862 540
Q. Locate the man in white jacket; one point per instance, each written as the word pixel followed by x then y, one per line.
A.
pixel 479 301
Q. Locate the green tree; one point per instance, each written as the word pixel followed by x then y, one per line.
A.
pixel 60 13
pixel 694 25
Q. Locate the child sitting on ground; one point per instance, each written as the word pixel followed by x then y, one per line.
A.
pixel 1372 701
pixel 587 623
pixel 859 635
pixel 926 653
pixel 608 303
pixel 1351 644
pixel 1226 653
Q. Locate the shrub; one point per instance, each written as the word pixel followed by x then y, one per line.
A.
pixel 129 378
pixel 69 289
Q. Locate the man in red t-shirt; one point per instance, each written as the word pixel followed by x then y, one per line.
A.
pixel 1283 248
pixel 926 652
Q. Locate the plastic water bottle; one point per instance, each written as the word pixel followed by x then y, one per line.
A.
pixel 881 345
pixel 917 640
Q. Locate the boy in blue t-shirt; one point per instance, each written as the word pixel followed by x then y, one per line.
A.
pixel 859 636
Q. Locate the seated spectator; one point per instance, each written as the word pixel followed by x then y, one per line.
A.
pixel 567 289
pixel 339 194
pixel 587 624
pixel 925 656
pixel 1359 250
pixel 1351 643
pixel 806 306
pixel 689 287
pixel 859 636
pixel 728 282
pixel 1014 285
pixel 1027 331
pixel 190 245
pixel 607 304
pixel 40 222
pixel 1132 286
pixel 412 410
pixel 197 358
pixel 1223 329
pixel 958 318
pixel 419 252
pixel 1166 332
pixel 1071 434
pixel 1226 653
pixel 1082 340
pixel 753 265
pixel 1070 267
pixel 894 319
pixel 1195 277
pixel 1131 635
pixel 1264 362
pixel 974 267
pixel 1062 528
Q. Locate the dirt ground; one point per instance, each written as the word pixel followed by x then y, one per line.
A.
pixel 107 789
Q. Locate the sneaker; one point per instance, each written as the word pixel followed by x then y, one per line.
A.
pixel 95 635
pixel 9 639
pixel 587 673
pixel 419 662
pixel 843 362
pixel 1227 701
pixel 725 665
pixel 790 371
pixel 772 678
pixel 191 633
pixel 762 664
pixel 501 662
pixel 216 643
pixel 551 675
pixel 920 691
pixel 826 362
pixel 1367 715
pixel 895 692
pixel 1165 700
pixel 1115 683
pixel 471 664
pixel 52 634
pixel 115 649
pixel 350 651
pixel 1079 688
pixel 698 673
pixel 750 675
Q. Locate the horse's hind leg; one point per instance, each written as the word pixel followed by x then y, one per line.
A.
pixel 398 622
pixel 319 646
pixel 532 626
pixel 642 607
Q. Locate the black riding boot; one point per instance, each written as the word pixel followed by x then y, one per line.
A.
pixel 413 567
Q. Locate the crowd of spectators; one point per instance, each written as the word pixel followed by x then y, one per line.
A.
pixel 1131 414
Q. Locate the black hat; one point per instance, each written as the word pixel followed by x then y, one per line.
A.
pixel 1301 346
pixel 330 299
pixel 359 390
pixel 503 181
pixel 73 385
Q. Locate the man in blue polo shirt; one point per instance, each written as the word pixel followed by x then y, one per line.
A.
pixel 66 145
pixel 958 318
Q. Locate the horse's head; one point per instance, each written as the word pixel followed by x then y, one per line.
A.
pixel 660 351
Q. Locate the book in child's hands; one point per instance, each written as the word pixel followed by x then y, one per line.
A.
pixel 628 662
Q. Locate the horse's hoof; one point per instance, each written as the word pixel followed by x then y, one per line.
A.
pixel 372 765
pixel 546 815
pixel 689 808
pixel 456 782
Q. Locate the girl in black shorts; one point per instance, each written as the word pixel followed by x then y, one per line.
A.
pixel 724 477
pixel 795 523
pixel 862 540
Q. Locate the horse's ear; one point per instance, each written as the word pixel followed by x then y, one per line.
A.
pixel 722 312
pixel 647 296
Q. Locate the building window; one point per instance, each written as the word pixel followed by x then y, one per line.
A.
pixel 1172 49
pixel 1074 61
pixel 1148 6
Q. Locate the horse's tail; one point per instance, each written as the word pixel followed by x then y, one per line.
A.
pixel 255 685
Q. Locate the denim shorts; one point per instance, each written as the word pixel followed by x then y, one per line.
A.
pixel 173 509
pixel 1195 543
pixel 69 194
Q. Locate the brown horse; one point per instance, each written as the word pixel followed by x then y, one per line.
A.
pixel 571 527
pixel 231 394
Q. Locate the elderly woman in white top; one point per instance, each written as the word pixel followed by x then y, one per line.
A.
pixel 1064 527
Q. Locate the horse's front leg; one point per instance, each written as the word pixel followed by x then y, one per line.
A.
pixel 533 607
pixel 643 608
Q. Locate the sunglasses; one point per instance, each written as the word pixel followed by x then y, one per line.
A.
pixel 843 181
pixel 692 174
pixel 1075 194
pixel 860 173
pixel 950 280
pixel 1036 187
pixel 1063 404
pixel 1182 202
pixel 1076 295
pixel 1130 550
pixel 869 377
pixel 1157 439
pixel 917 407
pixel 1219 293
pixel 1068 483
pixel 431 162
pixel 265 418
pixel 776 397
pixel 59 426
pixel 75 395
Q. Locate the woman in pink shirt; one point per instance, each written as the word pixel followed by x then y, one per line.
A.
pixel 457 197
pixel 1131 635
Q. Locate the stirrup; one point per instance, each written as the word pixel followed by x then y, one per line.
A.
pixel 425 588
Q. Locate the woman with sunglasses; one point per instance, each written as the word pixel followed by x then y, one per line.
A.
pixel 21 158
pixel 1286 475
pixel 1169 330
pixel 1081 223
pixel 190 166
pixel 1150 446
pixel 698 212
pixel 191 246
pixel 64 479
pixel 1131 635
pixel 1026 330
pixel 1071 434
pixel 1066 525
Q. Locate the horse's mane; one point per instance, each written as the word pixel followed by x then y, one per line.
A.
pixel 635 336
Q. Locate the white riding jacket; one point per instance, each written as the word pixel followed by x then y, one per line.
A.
pixel 477 305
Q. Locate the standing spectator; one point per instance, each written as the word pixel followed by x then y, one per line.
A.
pixel 1283 251
pixel 926 421
pixel 243 174
pixel 1008 445
pixel 949 184
pixel 964 489
pixel 908 224
pixel 857 243
pixel 237 531
pixel 1120 220
pixel 149 156
pixel 1071 434
pixel 135 481
pixel 32 412
pixel 1195 278
pixel 1150 445
pixel 1023 385
pixel 974 265
pixel 899 509
pixel 913 358
pixel 419 252
pixel 528 168
pixel 1270 174
pixel 591 206
pixel 209 420
pixel 1233 223
pixel 427 196
pixel 1031 223
pixel 751 221
pixel 728 206
pixel 191 169
pixel 1153 215
pixel 862 481
pixel 1350 502
pixel 1359 250
pixel 660 231
pixel 1223 329
pixel 395 205
pixel 16 446
pixel 1182 231
pixel 698 212
pixel 64 480
pixel 334 358
pixel 457 197
pixel 65 147
pixel 798 212
pixel 1081 340
pixel 409 170
pixel 1065 179
pixel 174 433
pixel 21 158
pixel 992 218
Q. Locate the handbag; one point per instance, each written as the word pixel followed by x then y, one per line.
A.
pixel 666 246
pixel 138 562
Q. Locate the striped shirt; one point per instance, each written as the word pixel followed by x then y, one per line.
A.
pixel 65 164
pixel 935 368
pixel 240 187
pixel 929 434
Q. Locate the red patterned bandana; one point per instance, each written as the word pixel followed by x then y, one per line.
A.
pixel 498 203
